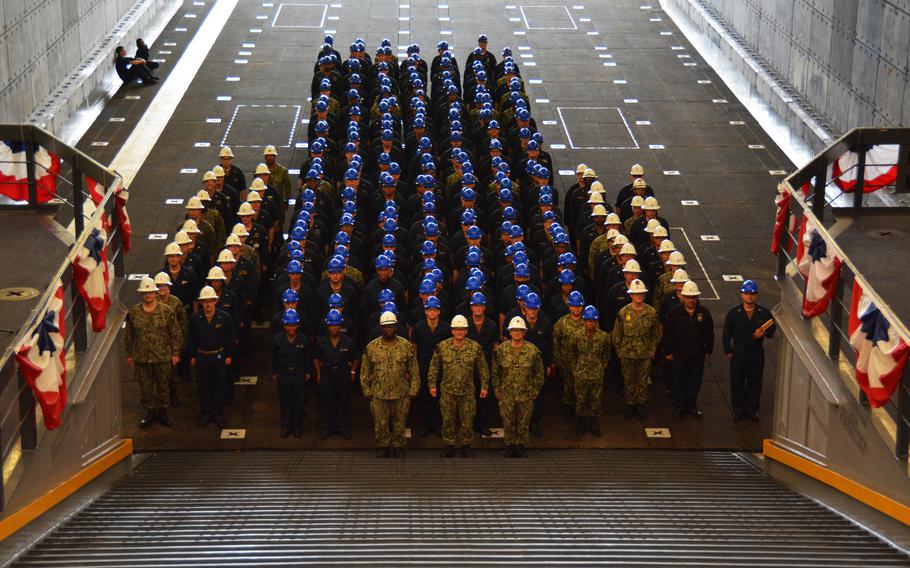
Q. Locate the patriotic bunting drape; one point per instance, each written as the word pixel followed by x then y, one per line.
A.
pixel 880 352
pixel 819 266
pixel 14 175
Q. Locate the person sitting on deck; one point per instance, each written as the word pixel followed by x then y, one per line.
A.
pixel 129 69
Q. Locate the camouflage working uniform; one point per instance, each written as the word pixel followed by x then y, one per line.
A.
pixel 389 378
pixel 600 244
pixel 588 367
pixel 662 288
pixel 636 335
pixel 457 367
pixel 180 312
pixel 214 219
pixel 152 339
pixel 564 353
pixel 279 179
pixel 517 377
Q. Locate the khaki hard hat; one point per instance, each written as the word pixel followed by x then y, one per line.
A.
pixel 589 173
pixel 651 204
pixel 666 246
pixel 680 276
pixel 580 169
pixel 596 197
pixel 690 289
pixel 147 285
pixel 627 248
pixel 620 240
pixel 637 170
pixel 240 230
pixel 632 266
pixel 218 171
pixel 613 219
pixel 203 195
pixel 194 203
pixel 253 197
pixel 207 293
pixel 612 234
pixel 270 151
pixel 659 232
pixel 182 238
pixel 257 185
pixel 676 259
pixel 172 249
pixel 232 240
pixel 639 184
pixel 597 187
pixel 261 169
pixel 225 152
pixel 246 209
pixel 517 323
pixel 191 227
pixel 652 225
pixel 208 176
pixel 226 256
pixel 459 322
pixel 599 211
pixel 162 279
pixel 637 201
pixel 388 318
pixel 637 287
pixel 215 273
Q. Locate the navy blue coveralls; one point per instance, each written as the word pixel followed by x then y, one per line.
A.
pixel 291 363
pixel 335 380
pixel 211 343
pixel 748 362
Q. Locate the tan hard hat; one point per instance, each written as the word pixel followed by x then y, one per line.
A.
pixel 253 197
pixel 666 246
pixel 620 240
pixel 172 249
pixel 203 195
pixel 680 276
pixel 207 293
pixel 215 273
pixel 637 170
pixel 627 248
pixel 596 197
pixel 388 318
pixel 246 209
pixel 182 238
pixel 191 227
pixel 599 211
pixel 597 187
pixel 659 232
pixel 612 234
pixel 208 176
pixel 147 285
pixel 613 219
pixel 261 169
pixel 651 204
pixel 240 230
pixel 269 151
pixel 232 240
pixel 652 225
pixel 690 289
pixel 639 183
pixel 218 171
pixel 225 152
pixel 517 323
pixel 637 287
pixel 459 322
pixel 676 259
pixel 637 201
pixel 257 185
pixel 226 256
pixel 194 203
pixel 632 266
pixel 590 173
pixel 162 279
pixel 580 169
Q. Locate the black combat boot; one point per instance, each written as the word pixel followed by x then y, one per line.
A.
pixel 448 452
pixel 175 401
pixel 150 417
pixel 466 452
pixel 285 432
pixel 397 453
pixel 642 413
pixel 594 426
pixel 510 451
pixel 163 418
pixel 520 451
pixel 536 431
pixel 630 411
pixel 581 426
pixel 383 453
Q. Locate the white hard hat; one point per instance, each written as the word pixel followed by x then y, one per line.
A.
pixel 147 285
pixel 627 248
pixel 215 273
pixel 590 173
pixel 226 256
pixel 232 240
pixel 690 289
pixel 191 227
pixel 651 225
pixel 240 230
pixel 207 293
pixel 639 183
pixel 659 231
pixel 253 197
pixel 517 323
pixel 637 170
pixel 172 249
pixel 680 276
pixel 388 318
pixel 632 266
pixel 245 209
pixel 269 151
pixel 182 238
pixel 596 197
pixel 194 203
pixel 597 187
pixel 580 169
pixel 208 176
pixel 637 201
pixel 613 219
pixel 162 278
pixel 203 195
pixel 637 287
pixel 599 211
pixel 225 152
pixel 261 169
pixel 459 322
pixel 612 234
pixel 666 245
pixel 218 171
pixel 257 185
pixel 676 259
pixel 620 240
pixel 651 204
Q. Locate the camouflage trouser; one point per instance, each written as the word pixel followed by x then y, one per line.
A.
pixel 457 418
pixel 153 381
pixel 516 418
pixel 568 386
pixel 635 375
pixel 589 392
pixel 389 417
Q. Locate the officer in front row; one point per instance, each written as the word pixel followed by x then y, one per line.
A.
pixel 517 376
pixel 210 343
pixel 745 329
pixel 336 358
pixel 291 370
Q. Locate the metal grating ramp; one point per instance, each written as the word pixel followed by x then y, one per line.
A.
pixel 558 508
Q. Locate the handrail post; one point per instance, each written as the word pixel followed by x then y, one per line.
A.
pixel 80 335
pixel 902 438
pixel 837 315
pixel 818 192
pixel 29 432
pixel 30 174
pixel 860 179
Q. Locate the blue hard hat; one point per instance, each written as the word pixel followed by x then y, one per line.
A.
pixel 296 255
pixel 386 295
pixel 509 213
pixel 749 287
pixel 290 317
pixel 388 240
pixel 294 267
pixel 335 300
pixel 472 284
pixel 468 217
pixel 567 277
pixel 290 295
pixel 590 313
pixel 576 299
pixel 522 292
pixel 431 229
pixel 432 303
pixel 519 256
pixel 335 265
pixel 298 233
pixel 566 258
pixel 474 232
pixel 478 299
pixel 472 258
pixel 427 286
pixel 293 246
pixel 505 195
pixel 427 248
pixel 334 317
pixel 342 238
pixel 468 194
pixel 390 307
pixel 561 238
pixel 383 262
pixel 522 270
pixel 516 231
pixel 532 301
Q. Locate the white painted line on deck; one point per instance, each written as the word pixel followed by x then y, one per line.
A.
pixel 698 260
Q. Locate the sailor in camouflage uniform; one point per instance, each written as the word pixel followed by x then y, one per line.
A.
pixel 389 377
pixel 636 335
pixel 163 282
pixel 517 377
pixel 452 369
pixel 588 368
pixel 564 349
